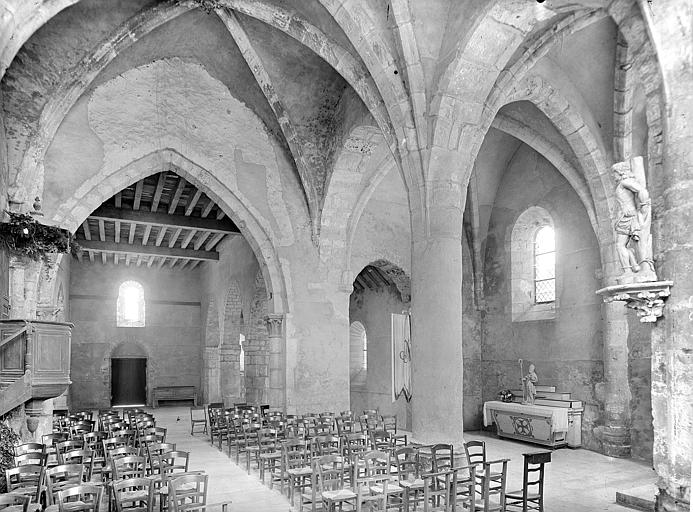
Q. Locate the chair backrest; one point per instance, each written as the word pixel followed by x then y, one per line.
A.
pixel 442 457
pixel 475 452
pixel 66 446
pixel 61 477
pixel 325 445
pixel 29 477
pixel 344 426
pixel 389 422
pixel 133 494
pixel 80 498
pixel 174 462
pixel 94 441
pixel 377 463
pixel 39 458
pixel 295 454
pixel 14 500
pixel 123 451
pixel 407 460
pixel 533 472
pixel 84 457
pixel 188 492
pixel 53 438
pixel 440 491
pixel 330 472
pixel 198 413
pixel 130 466
pixel 355 445
pixel 367 498
pixel 21 449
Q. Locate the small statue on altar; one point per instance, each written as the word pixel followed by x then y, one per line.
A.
pixel 529 382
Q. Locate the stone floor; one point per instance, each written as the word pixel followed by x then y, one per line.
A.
pixel 576 480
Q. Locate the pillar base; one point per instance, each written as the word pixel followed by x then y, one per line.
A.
pixel 666 503
pixel 615 441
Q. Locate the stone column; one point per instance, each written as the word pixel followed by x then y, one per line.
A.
pixel 437 319
pixel 24 276
pixel 277 397
pixel 210 374
pixel 230 374
pixel 615 435
pixel 672 336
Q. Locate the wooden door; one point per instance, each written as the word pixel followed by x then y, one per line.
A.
pixel 128 381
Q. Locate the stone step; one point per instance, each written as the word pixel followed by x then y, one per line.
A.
pixel 638 498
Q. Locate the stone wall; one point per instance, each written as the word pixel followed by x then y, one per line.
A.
pixel 171 337
pixel 567 350
pixel 373 309
pixel 640 378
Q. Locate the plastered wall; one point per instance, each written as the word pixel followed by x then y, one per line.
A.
pixel 171 337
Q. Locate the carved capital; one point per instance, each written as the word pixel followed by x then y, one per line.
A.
pixel 274 325
pixel 647 299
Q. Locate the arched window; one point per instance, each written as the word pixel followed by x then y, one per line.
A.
pixel 241 340
pixel 533 266
pixel 358 353
pixel 130 306
pixel 544 265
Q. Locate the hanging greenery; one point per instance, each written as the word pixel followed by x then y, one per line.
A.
pixel 23 236
pixel 8 438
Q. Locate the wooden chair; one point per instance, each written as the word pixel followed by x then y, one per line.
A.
pixel 439 491
pixel 26 481
pixel 84 457
pixel 531 496
pixel 372 493
pixel 66 446
pixel 269 454
pixel 378 465
pixel 189 493
pixel 296 468
pixel 153 452
pixel 330 483
pixel 198 416
pixel 130 466
pixel 408 474
pixel 389 424
pixel 133 495
pixel 21 449
pixel 325 445
pixel 490 476
pixel 14 503
pixel 60 478
pixel 80 498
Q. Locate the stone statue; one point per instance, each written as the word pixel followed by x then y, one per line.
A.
pixel 633 235
pixel 529 382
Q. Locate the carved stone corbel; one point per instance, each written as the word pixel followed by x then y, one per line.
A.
pixel 647 299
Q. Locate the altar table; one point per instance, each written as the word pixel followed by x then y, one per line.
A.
pixel 533 423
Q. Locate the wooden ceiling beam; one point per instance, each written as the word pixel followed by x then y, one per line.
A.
pixel 157 192
pixel 138 195
pixel 145 235
pixel 104 258
pixel 161 263
pixel 119 200
pixel 193 202
pixel 176 196
pixel 188 238
pixel 131 237
pixel 208 207
pixel 162 219
pixel 102 230
pixel 201 239
pixel 160 236
pixel 151 261
pixel 117 231
pixel 85 228
pixel 214 241
pixel 148 250
pixel 174 237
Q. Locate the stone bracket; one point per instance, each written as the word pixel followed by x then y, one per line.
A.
pixel 274 324
pixel 646 298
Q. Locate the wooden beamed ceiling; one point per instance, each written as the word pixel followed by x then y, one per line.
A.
pixel 160 220
pixel 371 278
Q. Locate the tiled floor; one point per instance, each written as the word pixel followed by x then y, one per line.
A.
pixel 576 480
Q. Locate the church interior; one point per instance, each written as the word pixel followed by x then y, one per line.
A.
pixel 358 205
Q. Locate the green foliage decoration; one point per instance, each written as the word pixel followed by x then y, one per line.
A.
pixel 23 236
pixel 8 439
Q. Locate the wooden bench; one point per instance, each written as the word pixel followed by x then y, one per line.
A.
pixel 174 393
